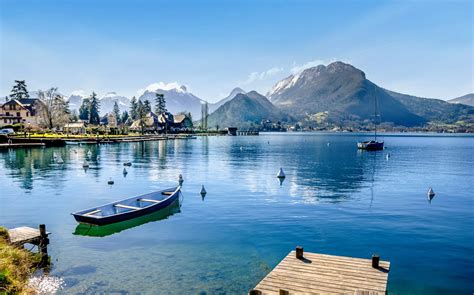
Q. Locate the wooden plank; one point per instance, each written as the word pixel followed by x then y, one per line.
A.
pixel 92 212
pixel 22 235
pixel 326 274
pixel 149 200
pixel 127 207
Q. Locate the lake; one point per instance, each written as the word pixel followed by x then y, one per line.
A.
pixel 335 200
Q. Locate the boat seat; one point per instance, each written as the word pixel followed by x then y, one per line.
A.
pixel 127 207
pixel 92 212
pixel 167 193
pixel 149 200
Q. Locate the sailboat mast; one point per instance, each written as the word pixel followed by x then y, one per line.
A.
pixel 375 112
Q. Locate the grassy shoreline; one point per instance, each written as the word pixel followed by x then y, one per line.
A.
pixel 16 266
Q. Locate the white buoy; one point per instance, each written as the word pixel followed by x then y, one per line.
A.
pixel 203 190
pixel 329 143
pixel 85 164
pixel 431 193
pixel 110 181
pixel 89 153
pixel 387 156
pixel 125 172
pixel 180 179
pixel 281 174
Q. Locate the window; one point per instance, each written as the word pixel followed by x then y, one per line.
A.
pixel 18 114
pixel 7 114
pixel 5 121
pixel 27 114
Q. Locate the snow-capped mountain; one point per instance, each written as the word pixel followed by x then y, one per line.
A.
pixel 108 100
pixel 177 97
pixel 233 93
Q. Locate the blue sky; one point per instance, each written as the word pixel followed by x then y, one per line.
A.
pixel 423 48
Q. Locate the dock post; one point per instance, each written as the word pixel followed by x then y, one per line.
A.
pixel 299 252
pixel 375 260
pixel 284 292
pixel 43 244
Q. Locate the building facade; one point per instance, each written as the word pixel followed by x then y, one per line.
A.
pixel 20 111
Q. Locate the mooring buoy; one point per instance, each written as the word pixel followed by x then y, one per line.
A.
pixel 180 179
pixel 203 190
pixel 125 172
pixel 281 174
pixel 85 164
pixel 431 193
pixel 110 181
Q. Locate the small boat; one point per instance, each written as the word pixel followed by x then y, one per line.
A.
pixel 128 208
pixel 372 145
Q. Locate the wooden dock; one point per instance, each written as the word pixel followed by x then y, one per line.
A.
pixel 20 145
pixel 313 273
pixel 24 234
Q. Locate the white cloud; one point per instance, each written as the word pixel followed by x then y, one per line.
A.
pixel 163 86
pixel 256 76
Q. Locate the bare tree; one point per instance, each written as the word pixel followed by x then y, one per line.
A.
pixel 54 109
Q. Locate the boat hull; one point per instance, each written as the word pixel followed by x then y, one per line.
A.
pixel 82 216
pixel 370 145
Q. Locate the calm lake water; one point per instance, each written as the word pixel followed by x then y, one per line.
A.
pixel 334 200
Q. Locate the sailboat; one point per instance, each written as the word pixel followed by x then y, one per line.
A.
pixel 372 145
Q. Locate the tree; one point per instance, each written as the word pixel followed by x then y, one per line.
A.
pixel 53 108
pixel 141 113
pixel 19 91
pixel 74 116
pixel 147 106
pixel 94 109
pixel 116 111
pixel 133 108
pixel 84 110
pixel 160 104
pixel 124 117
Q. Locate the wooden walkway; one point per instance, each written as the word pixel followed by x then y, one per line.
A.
pixel 22 235
pixel 325 274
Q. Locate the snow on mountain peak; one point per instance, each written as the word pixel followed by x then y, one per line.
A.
pixel 163 86
pixel 110 94
pixel 79 93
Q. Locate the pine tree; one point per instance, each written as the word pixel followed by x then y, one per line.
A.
pixel 116 111
pixel 133 108
pixel 94 109
pixel 84 110
pixel 124 118
pixel 19 91
pixel 141 113
pixel 147 106
pixel 160 104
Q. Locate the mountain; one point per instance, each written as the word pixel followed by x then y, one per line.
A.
pixel 342 92
pixel 233 93
pixel 244 110
pixel 467 99
pixel 435 110
pixel 108 100
pixel 177 97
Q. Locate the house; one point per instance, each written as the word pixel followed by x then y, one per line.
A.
pixel 109 120
pixel 150 123
pixel 182 122
pixel 20 111
pixel 75 128
pixel 232 131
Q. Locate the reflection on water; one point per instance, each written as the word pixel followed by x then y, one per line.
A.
pixel 334 199
pixel 110 229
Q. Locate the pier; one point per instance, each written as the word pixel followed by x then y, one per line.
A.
pixel 27 235
pixel 312 273
pixel 20 145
